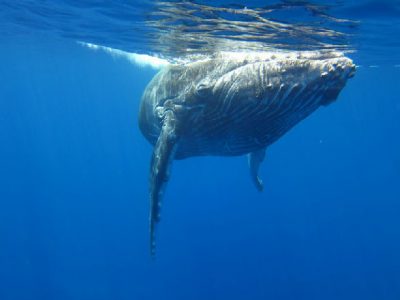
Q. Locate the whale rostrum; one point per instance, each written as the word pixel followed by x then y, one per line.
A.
pixel 232 104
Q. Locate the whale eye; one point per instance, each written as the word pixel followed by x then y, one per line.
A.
pixel 202 90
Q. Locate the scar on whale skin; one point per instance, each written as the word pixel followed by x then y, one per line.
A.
pixel 230 105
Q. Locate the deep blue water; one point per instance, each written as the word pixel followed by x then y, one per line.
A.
pixel 74 192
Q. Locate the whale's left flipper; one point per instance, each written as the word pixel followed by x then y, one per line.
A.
pixel 255 159
pixel 162 157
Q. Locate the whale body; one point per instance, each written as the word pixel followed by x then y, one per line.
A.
pixel 232 104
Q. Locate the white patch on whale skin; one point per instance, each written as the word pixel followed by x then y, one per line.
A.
pixel 142 60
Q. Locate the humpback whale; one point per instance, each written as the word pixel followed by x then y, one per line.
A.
pixel 232 104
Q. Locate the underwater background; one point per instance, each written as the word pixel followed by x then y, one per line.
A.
pixel 74 180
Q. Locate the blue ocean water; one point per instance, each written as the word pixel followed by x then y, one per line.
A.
pixel 74 167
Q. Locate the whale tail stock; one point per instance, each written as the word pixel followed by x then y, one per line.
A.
pixel 162 157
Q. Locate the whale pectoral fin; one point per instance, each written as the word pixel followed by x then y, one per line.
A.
pixel 255 159
pixel 162 157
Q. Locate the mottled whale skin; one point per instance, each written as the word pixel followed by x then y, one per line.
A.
pixel 232 104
